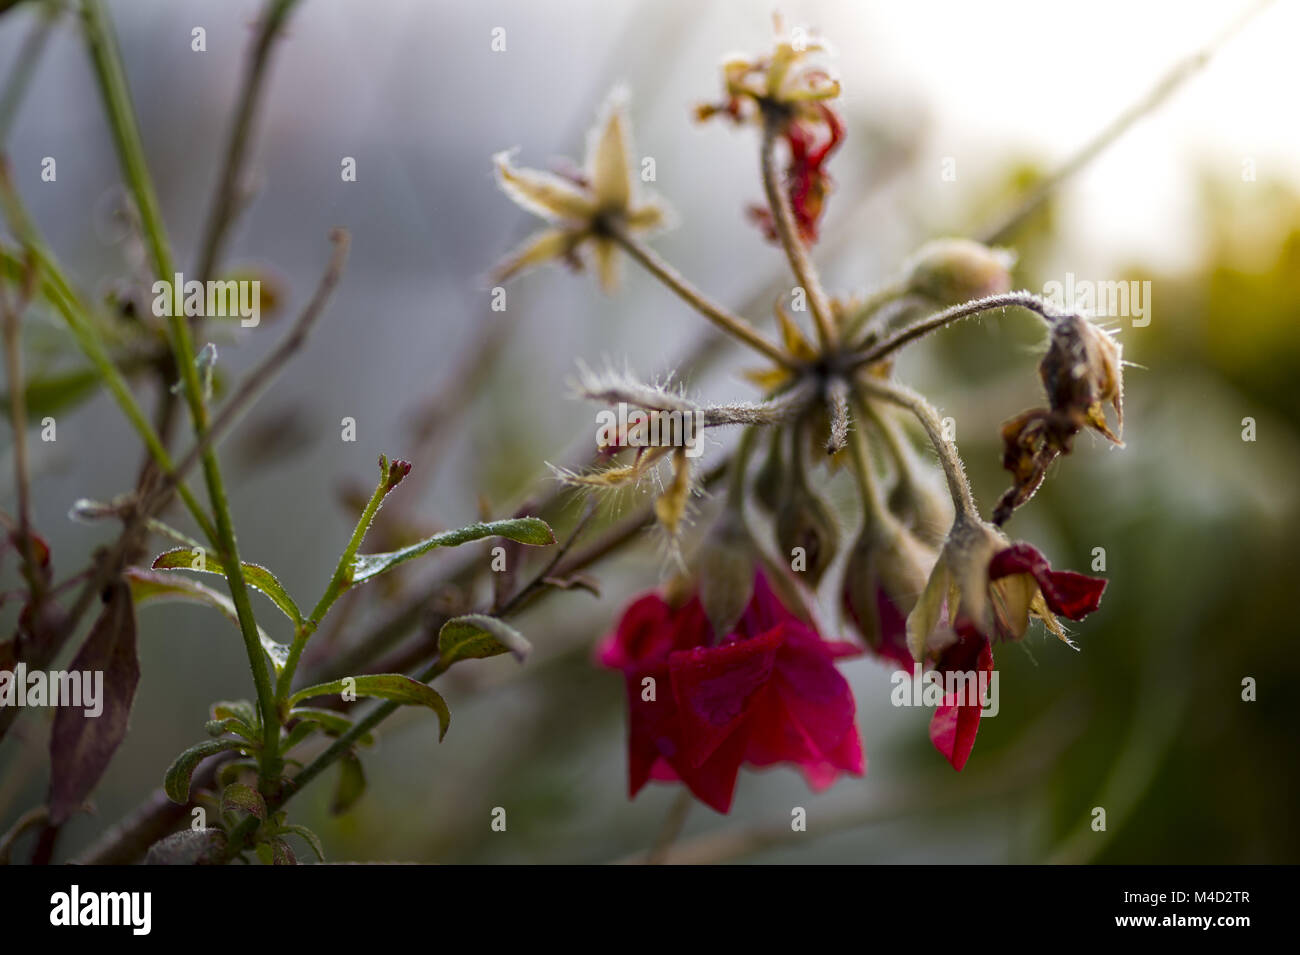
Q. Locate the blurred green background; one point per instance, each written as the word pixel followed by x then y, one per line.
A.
pixel 1198 525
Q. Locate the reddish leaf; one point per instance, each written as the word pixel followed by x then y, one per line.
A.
pixel 82 746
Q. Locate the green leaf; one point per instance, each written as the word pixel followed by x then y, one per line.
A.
pixel 308 837
pixel 255 575
pixel 242 710
pixel 176 783
pixel 334 724
pixel 525 530
pixel 55 394
pixel 146 586
pixel 244 798
pixel 385 686
pixel 298 734
pixel 234 725
pixel 351 784
pixel 475 636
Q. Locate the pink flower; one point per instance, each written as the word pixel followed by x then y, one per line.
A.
pixel 766 693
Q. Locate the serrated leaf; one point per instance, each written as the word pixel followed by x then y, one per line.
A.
pixel 476 636
pixel 526 530
pixel 255 575
pixel 176 782
pixel 351 784
pixel 147 585
pixel 386 686
pixel 243 798
pixel 82 745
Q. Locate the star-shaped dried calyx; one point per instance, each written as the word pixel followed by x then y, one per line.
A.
pixel 583 206
pixel 784 81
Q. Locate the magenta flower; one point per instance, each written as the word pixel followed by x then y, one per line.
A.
pixel 766 693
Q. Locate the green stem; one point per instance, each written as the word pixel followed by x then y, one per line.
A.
pixel 958 486
pixel 873 504
pixel 113 88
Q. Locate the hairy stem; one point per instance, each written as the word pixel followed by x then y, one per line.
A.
pixel 795 250
pixel 958 485
pixel 733 325
pixel 910 333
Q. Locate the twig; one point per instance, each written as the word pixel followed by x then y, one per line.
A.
pixel 930 323
pixel 671 828
pixel 795 250
pixel 733 325
pixel 1177 75
pixel 257 380
pixel 958 485
pixel 12 320
pixel 226 202
pixel 29 55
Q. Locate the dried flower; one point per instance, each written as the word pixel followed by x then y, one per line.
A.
pixel 583 207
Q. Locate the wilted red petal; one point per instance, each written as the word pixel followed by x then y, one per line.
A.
pixel 954 725
pixel 715 688
pixel 1068 593
pixel 806 714
pixel 649 630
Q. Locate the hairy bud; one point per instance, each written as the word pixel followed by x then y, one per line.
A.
pixel 806 527
pixel 952 271
pixel 886 572
pixel 725 564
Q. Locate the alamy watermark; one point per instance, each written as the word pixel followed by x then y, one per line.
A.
pixel 934 689
pixel 233 298
pixel 73 688
pixel 1124 299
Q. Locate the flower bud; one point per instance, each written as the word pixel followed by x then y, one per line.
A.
pixel 924 508
pixel 806 532
pixel 886 571
pixel 724 572
pixel 771 479
pixel 952 271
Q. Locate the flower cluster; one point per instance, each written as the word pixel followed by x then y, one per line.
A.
pixel 723 672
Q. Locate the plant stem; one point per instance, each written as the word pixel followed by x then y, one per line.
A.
pixel 886 294
pixel 1028 300
pixel 958 486
pixel 873 504
pixel 733 325
pixel 11 315
pixel 226 202
pixel 126 136
pixel 795 250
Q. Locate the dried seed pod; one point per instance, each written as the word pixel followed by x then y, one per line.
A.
pixel 1081 372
